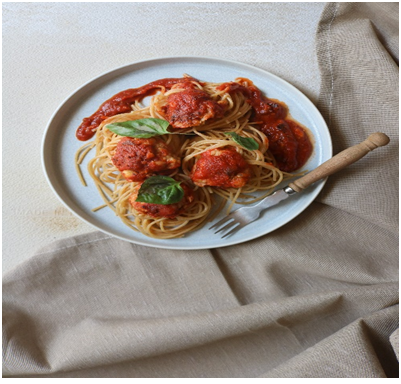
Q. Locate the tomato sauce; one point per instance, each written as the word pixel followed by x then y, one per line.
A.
pixel 137 158
pixel 288 141
pixel 223 167
pixel 169 211
pixel 191 107
pixel 121 103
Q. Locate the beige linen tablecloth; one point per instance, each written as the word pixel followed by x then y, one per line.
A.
pixel 315 298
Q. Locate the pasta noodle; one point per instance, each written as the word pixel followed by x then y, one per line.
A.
pixel 188 144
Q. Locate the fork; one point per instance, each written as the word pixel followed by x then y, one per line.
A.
pixel 245 215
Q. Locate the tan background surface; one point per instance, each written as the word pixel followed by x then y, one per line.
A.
pixel 51 49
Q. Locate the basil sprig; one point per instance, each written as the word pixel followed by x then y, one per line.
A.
pixel 141 129
pixel 160 190
pixel 246 142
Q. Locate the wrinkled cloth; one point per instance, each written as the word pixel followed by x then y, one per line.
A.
pixel 315 298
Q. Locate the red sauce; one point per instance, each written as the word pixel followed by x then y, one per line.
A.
pixel 137 158
pixel 191 107
pixel 121 103
pixel 222 167
pixel 288 141
pixel 169 211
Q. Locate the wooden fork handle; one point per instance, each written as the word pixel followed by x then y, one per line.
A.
pixel 340 161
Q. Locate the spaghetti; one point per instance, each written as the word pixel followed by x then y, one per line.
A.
pixel 205 118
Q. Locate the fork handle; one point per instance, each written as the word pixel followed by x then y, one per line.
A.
pixel 340 161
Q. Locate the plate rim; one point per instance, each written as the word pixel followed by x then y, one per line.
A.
pixel 317 187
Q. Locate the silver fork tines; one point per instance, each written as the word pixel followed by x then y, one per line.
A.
pixel 227 223
pixel 245 215
pixel 221 222
pixel 236 228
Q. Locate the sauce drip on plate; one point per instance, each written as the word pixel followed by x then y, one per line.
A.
pixel 121 103
pixel 288 141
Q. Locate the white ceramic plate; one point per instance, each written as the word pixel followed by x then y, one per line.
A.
pixel 59 146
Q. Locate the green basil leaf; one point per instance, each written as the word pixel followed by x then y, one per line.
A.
pixel 246 142
pixel 142 128
pixel 160 190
